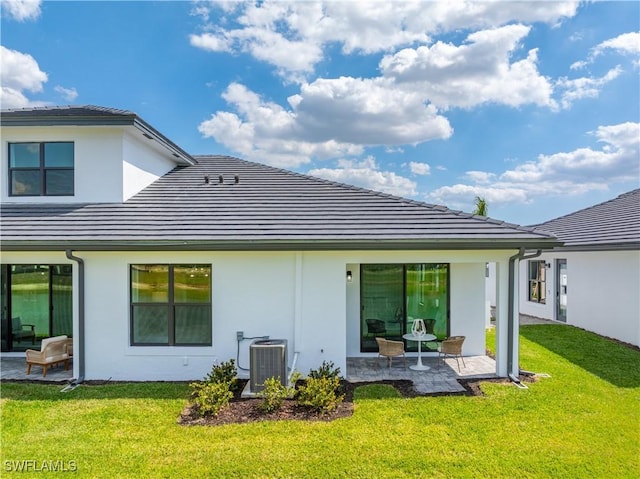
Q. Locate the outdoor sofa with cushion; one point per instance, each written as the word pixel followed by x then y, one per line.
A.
pixel 52 351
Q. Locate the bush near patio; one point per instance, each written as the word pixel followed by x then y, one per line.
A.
pixel 274 394
pixel 214 393
pixel 581 422
pixel 318 393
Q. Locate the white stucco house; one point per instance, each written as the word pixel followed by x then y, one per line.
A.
pixel 593 280
pixel 154 260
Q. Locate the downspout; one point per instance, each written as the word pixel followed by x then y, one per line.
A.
pixel 81 355
pixel 510 313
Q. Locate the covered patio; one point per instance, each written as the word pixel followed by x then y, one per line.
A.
pixel 442 379
pixel 15 369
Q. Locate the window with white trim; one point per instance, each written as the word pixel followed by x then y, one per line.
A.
pixel 170 305
pixel 41 169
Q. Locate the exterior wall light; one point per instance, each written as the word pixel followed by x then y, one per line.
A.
pixel 349 277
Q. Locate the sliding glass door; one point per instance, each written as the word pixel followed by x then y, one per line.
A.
pixel 428 297
pixel 381 303
pixel 36 304
pixel 392 296
pixel 61 305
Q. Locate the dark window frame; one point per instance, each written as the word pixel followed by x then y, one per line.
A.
pixel 170 304
pixel 537 282
pixel 364 348
pixel 42 169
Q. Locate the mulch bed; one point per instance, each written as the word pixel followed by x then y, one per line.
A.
pixel 244 410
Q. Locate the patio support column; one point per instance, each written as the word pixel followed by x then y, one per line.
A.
pixel 297 307
pixel 502 316
pixel 515 324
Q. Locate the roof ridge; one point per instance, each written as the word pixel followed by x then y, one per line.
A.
pixel 44 108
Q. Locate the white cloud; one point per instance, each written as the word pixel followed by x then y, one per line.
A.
pixel 617 161
pixel 211 42
pixel 476 72
pixel 367 174
pixel 366 112
pixel 461 196
pixel 585 87
pixel 303 29
pixel 68 94
pixel 418 168
pixel 329 118
pixel 565 173
pixel 578 65
pixel 21 10
pixel 264 131
pixel 338 117
pixel 19 72
pixel 481 177
pixel 625 44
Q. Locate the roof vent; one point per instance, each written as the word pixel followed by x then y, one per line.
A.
pixel 206 179
pixel 237 179
pixel 220 179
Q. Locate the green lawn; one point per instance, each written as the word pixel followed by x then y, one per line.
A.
pixel 583 421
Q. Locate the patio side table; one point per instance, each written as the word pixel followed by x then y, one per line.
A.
pixel 425 337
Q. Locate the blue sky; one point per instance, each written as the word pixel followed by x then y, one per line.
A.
pixel 533 106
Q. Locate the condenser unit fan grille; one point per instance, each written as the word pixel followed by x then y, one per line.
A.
pixel 268 358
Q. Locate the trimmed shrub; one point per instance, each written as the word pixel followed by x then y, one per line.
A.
pixel 273 395
pixel 326 370
pixel 320 394
pixel 225 372
pixel 210 397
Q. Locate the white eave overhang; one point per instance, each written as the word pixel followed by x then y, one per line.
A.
pixel 275 245
pixel 128 119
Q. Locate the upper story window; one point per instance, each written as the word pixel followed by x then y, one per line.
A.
pixel 41 169
pixel 537 281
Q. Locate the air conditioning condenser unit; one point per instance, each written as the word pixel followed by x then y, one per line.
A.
pixel 267 359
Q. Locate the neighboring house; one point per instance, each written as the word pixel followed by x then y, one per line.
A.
pixel 154 260
pixel 593 281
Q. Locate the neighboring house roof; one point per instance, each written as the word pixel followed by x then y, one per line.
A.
pixel 614 224
pixel 89 115
pixel 265 208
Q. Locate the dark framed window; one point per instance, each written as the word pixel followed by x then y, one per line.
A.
pixel 393 296
pixel 41 169
pixel 537 282
pixel 170 305
pixel 36 303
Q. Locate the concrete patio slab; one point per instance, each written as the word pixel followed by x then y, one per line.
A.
pixel 439 378
pixel 15 368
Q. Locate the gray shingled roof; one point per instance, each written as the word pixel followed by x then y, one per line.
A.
pixel 55 114
pixel 614 224
pixel 268 208
pixel 88 115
